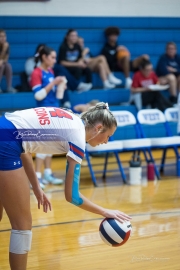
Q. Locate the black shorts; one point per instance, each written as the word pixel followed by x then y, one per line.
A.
pixel 117 67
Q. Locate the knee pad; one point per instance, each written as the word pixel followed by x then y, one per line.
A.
pixel 41 156
pixel 20 241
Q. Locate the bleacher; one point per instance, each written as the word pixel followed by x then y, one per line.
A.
pixel 141 36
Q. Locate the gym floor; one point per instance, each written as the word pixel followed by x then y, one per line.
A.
pixel 67 238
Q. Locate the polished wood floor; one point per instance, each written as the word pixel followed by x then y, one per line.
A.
pixel 67 238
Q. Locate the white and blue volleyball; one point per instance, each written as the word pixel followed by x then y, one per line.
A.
pixel 114 233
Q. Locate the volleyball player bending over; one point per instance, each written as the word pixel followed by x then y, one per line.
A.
pixel 56 131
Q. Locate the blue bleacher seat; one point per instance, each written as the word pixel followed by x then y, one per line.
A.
pixel 139 34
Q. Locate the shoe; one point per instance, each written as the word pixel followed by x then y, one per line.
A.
pixel 128 83
pixel 11 90
pixel 50 179
pixel 108 85
pixel 84 87
pixel 1 91
pixel 67 105
pixel 112 79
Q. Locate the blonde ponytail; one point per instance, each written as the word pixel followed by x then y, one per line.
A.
pixel 99 113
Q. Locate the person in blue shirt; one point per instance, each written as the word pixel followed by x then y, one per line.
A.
pixel 44 86
pixel 168 70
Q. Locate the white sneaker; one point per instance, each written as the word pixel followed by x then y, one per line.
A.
pixel 112 79
pixel 128 83
pixel 84 87
pixel 11 90
pixel 108 85
pixel 50 179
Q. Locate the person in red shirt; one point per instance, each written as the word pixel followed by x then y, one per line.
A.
pixel 142 80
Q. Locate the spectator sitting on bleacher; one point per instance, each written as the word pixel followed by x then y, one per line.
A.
pixel 168 70
pixel 5 67
pixel 59 70
pixel 118 57
pixel 70 56
pixel 99 64
pixel 141 82
pixel 44 87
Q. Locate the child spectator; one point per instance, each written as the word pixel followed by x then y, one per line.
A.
pixel 99 64
pixel 118 57
pixel 142 80
pixel 168 70
pixel 5 67
pixel 70 56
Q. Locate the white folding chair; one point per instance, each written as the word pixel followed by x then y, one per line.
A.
pixel 153 125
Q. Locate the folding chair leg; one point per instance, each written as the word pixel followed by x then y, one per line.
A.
pixel 178 167
pixel 177 161
pixel 105 165
pixel 120 168
pixel 163 160
pixel 155 167
pixel 145 155
pixel 91 170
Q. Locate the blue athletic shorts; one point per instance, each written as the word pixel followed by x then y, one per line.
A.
pixel 10 147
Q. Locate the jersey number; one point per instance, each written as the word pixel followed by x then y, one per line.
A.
pixel 60 113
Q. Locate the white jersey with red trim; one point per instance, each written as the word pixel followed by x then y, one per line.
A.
pixel 50 130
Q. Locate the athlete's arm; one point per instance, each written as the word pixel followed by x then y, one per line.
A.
pixel 30 172
pixel 73 195
pixel 29 169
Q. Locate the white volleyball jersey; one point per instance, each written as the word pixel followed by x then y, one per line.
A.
pixel 50 130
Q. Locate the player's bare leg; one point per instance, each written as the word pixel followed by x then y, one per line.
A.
pixel 15 198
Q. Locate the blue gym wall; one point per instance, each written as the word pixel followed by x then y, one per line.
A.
pixel 145 28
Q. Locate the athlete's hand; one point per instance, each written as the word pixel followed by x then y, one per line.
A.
pixel 59 79
pixel 116 214
pixel 81 64
pixel 42 200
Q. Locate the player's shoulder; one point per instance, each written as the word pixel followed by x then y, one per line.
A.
pixel 37 71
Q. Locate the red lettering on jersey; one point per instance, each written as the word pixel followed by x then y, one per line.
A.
pixel 44 122
pixel 42 116
pixel 60 113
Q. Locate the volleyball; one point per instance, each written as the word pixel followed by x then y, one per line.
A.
pixel 122 53
pixel 114 233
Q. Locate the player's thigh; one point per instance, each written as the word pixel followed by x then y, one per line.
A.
pixel 15 198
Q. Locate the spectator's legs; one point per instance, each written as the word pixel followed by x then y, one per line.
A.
pixel 2 68
pixel 156 100
pixel 137 61
pixel 87 73
pixel 178 83
pixel 124 64
pixel 38 164
pixel 172 81
pixel 62 71
pixel 8 75
pixel 99 64
pixel 75 71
